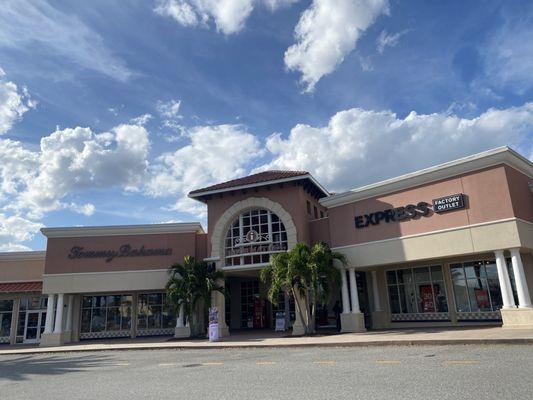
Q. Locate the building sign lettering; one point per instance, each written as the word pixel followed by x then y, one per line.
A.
pixel 449 203
pixel 125 250
pixel 410 211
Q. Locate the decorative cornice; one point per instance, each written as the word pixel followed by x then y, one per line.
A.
pixel 23 255
pixel 490 158
pixel 119 230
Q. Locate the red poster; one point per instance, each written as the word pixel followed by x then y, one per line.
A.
pixel 426 296
pixel 482 298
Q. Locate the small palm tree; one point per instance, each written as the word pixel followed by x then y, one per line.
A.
pixel 191 284
pixel 307 274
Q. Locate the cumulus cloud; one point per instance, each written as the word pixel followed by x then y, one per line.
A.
pixel 326 33
pixel 24 23
pixel 385 40
pixel 77 159
pixel 14 102
pixel 229 15
pixel 14 230
pixel 359 146
pixel 213 154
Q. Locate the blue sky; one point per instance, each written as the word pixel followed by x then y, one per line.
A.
pixel 110 112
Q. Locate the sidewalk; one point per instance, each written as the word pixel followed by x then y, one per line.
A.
pixel 395 337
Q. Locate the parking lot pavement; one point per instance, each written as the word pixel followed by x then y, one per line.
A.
pixel 415 372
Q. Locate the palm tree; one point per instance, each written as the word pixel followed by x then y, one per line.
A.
pixel 307 274
pixel 190 285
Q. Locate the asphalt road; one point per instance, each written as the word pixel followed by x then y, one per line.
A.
pixel 418 372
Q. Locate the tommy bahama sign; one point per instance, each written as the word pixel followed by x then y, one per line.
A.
pixel 125 250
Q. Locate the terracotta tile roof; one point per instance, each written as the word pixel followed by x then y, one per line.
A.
pixel 261 177
pixel 21 287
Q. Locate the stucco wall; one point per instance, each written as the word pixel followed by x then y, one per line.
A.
pixel 21 270
pixel 487 199
pixel 521 195
pixel 58 249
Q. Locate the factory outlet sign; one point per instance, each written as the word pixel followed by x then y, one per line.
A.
pixel 78 252
pixel 410 211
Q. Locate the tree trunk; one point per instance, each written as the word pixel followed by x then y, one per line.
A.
pixel 299 306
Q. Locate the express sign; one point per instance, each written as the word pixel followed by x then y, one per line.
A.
pixel 410 211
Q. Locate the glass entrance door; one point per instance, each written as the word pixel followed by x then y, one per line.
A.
pixel 34 326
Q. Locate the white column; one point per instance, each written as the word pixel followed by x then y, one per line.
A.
pixel 59 313
pixel 179 319
pixel 505 282
pixel 49 314
pixel 345 297
pixel 353 291
pixel 375 293
pixel 524 300
pixel 70 307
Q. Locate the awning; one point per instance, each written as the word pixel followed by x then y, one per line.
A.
pixel 21 287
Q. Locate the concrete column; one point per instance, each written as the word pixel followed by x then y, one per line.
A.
pixel 58 328
pixel 179 317
pixel 524 300
pixel 505 282
pixel 70 307
pixel 375 293
pixel 345 296
pixel 49 314
pixel 353 291
pixel 14 321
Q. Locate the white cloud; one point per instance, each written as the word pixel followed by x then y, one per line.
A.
pixel 326 33
pixel 71 161
pixel 13 103
pixel 385 40
pixel 508 56
pixel 169 109
pixel 24 23
pixel 14 230
pixel 273 5
pixel 141 119
pixel 359 147
pixel 229 15
pixel 214 154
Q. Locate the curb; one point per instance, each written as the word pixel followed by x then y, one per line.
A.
pixel 389 343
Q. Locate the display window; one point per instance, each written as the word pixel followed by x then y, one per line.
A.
pixel 476 286
pixel 154 312
pixel 107 313
pixel 417 290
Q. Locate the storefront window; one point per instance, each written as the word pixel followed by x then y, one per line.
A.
pixel 476 286
pixel 6 316
pixel 154 312
pixel 253 237
pixel 417 290
pixel 106 313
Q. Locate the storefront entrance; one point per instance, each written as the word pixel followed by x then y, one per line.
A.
pixel 34 326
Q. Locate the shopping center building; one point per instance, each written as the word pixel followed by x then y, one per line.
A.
pixel 450 245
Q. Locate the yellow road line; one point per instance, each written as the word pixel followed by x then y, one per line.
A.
pixel 265 362
pixel 325 362
pixel 122 364
pixel 388 362
pixel 461 362
pixel 213 363
pixel 166 364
